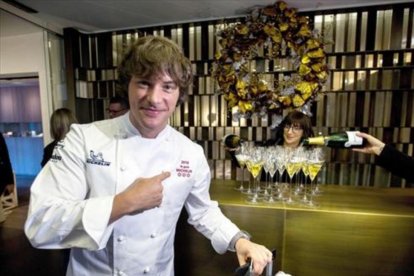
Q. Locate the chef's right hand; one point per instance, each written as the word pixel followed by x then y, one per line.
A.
pixel 142 194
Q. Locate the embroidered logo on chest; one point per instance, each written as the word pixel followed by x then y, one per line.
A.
pixel 184 169
pixel 97 159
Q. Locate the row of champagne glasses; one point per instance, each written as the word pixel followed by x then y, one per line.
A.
pixel 301 166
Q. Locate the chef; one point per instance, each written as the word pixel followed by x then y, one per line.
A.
pixel 114 189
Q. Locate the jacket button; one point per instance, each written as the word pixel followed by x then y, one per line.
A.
pixel 121 238
pixel 153 235
pixel 122 168
pixel 146 270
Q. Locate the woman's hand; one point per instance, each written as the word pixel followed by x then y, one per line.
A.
pixel 374 145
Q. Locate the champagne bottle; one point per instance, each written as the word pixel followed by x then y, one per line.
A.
pixel 232 141
pixel 347 139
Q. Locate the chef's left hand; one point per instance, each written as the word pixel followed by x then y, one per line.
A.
pixel 258 254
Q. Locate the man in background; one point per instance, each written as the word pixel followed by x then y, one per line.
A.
pixel 117 106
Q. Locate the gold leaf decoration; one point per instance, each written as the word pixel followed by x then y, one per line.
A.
pixel 274 32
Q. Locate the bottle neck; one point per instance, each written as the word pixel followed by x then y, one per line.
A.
pixel 316 141
pixel 231 141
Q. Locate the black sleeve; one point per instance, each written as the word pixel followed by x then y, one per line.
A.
pixel 397 163
pixel 6 175
pixel 47 153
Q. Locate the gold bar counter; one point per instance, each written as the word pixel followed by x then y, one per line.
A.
pixel 353 231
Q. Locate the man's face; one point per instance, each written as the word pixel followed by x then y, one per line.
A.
pixel 152 102
pixel 116 110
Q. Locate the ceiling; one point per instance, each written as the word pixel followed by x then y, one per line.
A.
pixel 106 15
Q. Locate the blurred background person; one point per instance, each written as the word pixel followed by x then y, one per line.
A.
pixel 117 106
pixel 6 174
pixel 388 157
pixel 60 122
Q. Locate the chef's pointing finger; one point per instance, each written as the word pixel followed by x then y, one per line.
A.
pixel 162 176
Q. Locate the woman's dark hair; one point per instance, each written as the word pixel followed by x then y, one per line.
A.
pixel 294 118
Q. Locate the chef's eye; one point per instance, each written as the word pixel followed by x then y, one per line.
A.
pixel 169 87
pixel 143 84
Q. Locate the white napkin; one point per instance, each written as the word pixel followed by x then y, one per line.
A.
pixel 281 273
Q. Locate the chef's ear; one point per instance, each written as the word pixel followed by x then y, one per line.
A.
pixel 183 97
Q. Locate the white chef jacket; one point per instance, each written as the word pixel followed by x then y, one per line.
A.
pixel 71 199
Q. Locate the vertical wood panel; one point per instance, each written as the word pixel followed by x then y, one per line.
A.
pixel 370 89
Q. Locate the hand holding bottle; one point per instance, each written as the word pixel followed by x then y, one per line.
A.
pixel 258 257
pixel 373 145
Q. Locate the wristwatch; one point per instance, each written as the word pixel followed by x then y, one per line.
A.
pixel 239 235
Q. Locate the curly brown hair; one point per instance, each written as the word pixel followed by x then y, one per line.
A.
pixel 151 56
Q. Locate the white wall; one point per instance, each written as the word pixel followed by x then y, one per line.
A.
pixel 26 54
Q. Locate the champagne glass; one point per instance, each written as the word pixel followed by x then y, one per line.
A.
pixel 292 167
pixel 305 171
pixel 299 160
pixel 248 165
pixel 265 168
pixel 319 156
pixel 255 165
pixel 281 160
pixel 315 164
pixel 270 167
pixel 242 157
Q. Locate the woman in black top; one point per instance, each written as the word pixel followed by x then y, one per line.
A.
pixel 388 157
pixel 294 127
pixel 60 123
pixel 290 133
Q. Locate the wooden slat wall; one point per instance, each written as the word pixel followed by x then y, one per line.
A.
pixel 370 88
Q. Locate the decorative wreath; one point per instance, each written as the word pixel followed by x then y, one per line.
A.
pixel 280 33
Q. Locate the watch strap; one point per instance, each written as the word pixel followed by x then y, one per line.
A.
pixel 239 235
